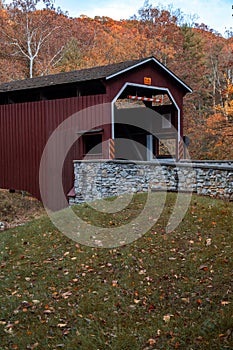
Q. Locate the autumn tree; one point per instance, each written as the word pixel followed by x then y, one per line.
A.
pixel 219 129
pixel 83 40
pixel 226 107
pixel 36 38
pixel 115 41
pixel 27 30
pixel 72 57
pixel 159 30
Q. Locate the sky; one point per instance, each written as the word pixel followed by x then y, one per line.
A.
pixel 216 14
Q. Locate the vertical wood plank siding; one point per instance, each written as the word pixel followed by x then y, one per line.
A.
pixel 24 131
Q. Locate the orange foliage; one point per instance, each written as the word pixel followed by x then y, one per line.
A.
pixel 226 108
pixel 199 56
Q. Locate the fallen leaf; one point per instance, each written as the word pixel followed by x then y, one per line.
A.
pixel 208 242
pixel 151 308
pixel 62 325
pixel 47 311
pixel 136 301
pixel 66 295
pixel 167 318
pixel 186 300
pixel 151 341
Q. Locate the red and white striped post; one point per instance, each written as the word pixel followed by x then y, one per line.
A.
pixel 181 150
pixel 112 148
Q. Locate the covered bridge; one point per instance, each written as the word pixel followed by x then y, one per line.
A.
pixel 32 109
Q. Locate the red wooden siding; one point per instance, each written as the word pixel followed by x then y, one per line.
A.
pixel 158 79
pixel 24 131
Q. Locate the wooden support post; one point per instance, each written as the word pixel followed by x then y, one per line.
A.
pixel 111 148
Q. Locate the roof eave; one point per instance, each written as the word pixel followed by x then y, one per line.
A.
pixel 50 84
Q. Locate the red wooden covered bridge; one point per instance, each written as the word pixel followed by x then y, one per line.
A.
pixel 32 109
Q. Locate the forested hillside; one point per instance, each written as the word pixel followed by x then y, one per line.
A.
pixel 36 41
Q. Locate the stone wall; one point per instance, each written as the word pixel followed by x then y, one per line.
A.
pixel 101 179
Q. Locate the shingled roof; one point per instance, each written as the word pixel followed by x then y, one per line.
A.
pixel 100 72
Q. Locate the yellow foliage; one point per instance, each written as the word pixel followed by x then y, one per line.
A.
pixel 227 108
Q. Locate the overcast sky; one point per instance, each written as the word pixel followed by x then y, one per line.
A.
pixel 217 14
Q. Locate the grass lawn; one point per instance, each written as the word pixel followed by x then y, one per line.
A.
pixel 163 291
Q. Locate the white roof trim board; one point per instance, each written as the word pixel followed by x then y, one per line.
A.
pixel 158 63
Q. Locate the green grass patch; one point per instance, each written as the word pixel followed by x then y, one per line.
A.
pixel 163 291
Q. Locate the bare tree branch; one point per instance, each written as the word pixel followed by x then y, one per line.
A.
pixel 27 30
